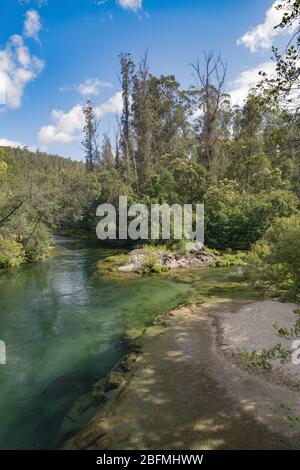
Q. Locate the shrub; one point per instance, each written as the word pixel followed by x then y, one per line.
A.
pixel 11 254
pixel 236 220
pixel 151 263
pixel 118 260
pixel 237 259
pixel 38 243
pixel 274 261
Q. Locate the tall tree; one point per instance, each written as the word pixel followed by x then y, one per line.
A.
pixel 170 120
pixel 89 142
pixel 209 100
pixel 107 157
pixel 142 122
pixel 127 72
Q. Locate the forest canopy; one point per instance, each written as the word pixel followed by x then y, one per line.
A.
pixel 169 145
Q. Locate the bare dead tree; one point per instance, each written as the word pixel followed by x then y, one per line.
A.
pixel 209 97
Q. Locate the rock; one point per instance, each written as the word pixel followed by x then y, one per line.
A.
pixel 194 246
pixel 127 362
pixel 98 397
pixel 114 380
pixel 99 385
pixel 104 443
pixel 96 429
pixel 128 268
pixel 195 257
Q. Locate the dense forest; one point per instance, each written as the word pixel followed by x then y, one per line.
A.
pixel 175 146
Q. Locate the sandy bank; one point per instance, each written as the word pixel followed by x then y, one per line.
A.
pixel 251 328
pixel 186 393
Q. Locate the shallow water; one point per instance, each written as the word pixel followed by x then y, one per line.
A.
pixel 65 326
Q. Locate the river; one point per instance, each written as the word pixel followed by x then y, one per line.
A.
pixel 64 326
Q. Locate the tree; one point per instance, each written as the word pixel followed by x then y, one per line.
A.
pixel 274 259
pixel 106 155
pixel 209 101
pixel 282 89
pixel 142 122
pixel 127 71
pixel 89 142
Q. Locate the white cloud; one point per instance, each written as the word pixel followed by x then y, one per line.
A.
pixel 67 126
pixel 261 36
pixel 133 5
pixel 91 86
pixel 17 69
pixel 247 80
pixel 113 105
pixel 10 143
pixel 32 24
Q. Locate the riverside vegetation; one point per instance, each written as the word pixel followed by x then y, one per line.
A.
pixel 169 145
pixel 174 146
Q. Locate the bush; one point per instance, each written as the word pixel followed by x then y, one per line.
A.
pixel 236 220
pixel 227 260
pixel 37 246
pixel 151 263
pixel 11 254
pixel 118 260
pixel 274 261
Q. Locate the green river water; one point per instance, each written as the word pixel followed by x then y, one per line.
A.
pixel 65 326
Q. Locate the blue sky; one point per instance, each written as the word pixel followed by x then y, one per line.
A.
pixel 55 54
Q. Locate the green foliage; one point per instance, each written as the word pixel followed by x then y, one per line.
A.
pixel 151 263
pixel 291 333
pixel 152 268
pixel 37 246
pixel 111 264
pixel 118 260
pixel 261 361
pixel 235 219
pixel 227 260
pixel 241 162
pixel 179 246
pixel 274 260
pixel 291 420
pixel 11 254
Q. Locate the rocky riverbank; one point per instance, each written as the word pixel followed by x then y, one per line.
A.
pixel 181 391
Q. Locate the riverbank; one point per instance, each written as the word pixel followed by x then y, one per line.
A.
pixel 185 392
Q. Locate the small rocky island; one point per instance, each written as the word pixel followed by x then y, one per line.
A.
pixel 150 259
